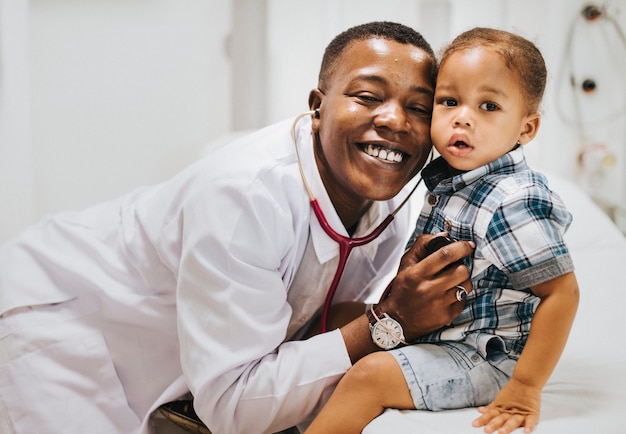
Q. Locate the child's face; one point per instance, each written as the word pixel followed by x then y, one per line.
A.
pixel 480 112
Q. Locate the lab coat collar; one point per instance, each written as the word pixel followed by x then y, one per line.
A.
pixel 325 248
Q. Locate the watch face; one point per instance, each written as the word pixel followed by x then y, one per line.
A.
pixel 382 337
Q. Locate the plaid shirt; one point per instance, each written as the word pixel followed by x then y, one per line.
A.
pixel 517 223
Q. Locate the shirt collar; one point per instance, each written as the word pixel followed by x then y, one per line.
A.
pixel 437 179
pixel 325 247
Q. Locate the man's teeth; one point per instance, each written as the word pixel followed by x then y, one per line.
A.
pixel 386 155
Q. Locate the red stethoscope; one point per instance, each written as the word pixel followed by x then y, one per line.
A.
pixel 346 244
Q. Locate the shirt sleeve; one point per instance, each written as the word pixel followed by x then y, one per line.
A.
pixel 525 237
pixel 233 316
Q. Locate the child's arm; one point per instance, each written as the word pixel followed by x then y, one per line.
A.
pixel 518 403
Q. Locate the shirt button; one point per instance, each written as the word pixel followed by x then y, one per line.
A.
pixel 475 358
pixel 459 186
pixel 432 200
pixel 448 225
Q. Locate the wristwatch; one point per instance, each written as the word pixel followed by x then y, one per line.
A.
pixel 386 332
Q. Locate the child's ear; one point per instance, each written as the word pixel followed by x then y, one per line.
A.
pixel 530 128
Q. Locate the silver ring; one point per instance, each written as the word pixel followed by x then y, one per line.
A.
pixel 461 293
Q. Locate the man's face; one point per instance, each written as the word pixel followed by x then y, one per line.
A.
pixel 373 134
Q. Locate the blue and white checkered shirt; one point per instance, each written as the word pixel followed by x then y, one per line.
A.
pixel 517 223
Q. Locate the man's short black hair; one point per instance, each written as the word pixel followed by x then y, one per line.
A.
pixel 376 29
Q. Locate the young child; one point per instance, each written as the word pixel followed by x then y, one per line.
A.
pixel 488 92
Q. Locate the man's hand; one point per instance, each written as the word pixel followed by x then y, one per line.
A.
pixel 423 294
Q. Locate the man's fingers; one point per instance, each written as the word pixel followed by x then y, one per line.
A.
pixel 439 260
pixel 457 302
pixel 417 251
pixel 461 292
pixel 449 254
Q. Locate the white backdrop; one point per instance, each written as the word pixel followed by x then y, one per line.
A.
pixel 98 97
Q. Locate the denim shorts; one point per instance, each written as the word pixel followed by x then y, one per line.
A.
pixel 450 375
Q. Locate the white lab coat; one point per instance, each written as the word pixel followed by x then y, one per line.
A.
pixel 109 312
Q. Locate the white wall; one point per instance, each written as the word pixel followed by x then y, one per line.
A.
pixel 16 168
pixel 110 96
pixel 98 97
pixel 123 91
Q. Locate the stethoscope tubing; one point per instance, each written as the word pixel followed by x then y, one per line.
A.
pixel 346 244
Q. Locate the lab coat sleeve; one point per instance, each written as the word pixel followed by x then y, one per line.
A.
pixel 233 314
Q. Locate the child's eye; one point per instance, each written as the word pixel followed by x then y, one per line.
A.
pixel 448 102
pixel 489 106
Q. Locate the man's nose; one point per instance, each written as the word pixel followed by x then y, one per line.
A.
pixel 392 116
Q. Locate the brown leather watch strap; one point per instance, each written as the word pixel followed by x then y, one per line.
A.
pixel 370 316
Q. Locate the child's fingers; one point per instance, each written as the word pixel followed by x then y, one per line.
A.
pixel 531 422
pixel 487 413
pixel 513 422
pixel 493 419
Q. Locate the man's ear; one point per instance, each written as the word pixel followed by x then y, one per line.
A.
pixel 315 102
pixel 530 128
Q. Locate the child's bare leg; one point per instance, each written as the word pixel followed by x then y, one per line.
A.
pixel 373 384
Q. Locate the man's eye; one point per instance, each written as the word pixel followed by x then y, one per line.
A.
pixel 489 106
pixel 421 110
pixel 368 98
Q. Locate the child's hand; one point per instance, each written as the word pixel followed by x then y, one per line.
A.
pixel 517 405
